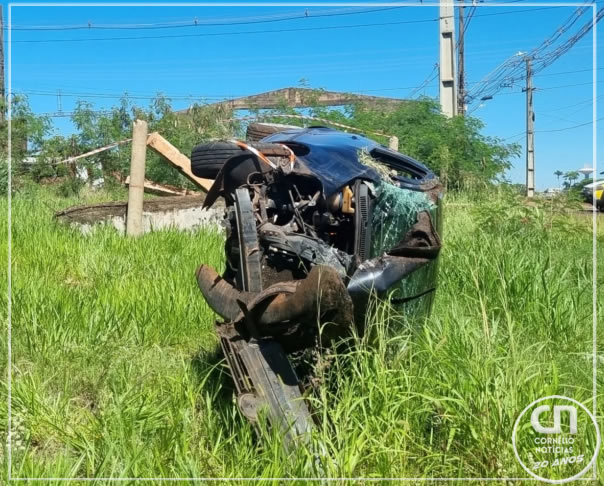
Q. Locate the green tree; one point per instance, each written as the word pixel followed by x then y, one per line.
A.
pixel 570 177
pixel 454 148
pixel 28 132
pixel 558 174
pixel 97 129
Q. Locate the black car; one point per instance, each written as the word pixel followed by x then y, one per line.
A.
pixel 317 221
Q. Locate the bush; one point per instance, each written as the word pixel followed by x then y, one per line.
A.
pixel 71 186
pixel 3 178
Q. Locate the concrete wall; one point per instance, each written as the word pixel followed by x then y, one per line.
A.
pixel 181 212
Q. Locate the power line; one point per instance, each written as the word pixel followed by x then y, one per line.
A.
pixel 569 128
pixel 179 96
pixel 578 103
pixel 69 114
pixel 268 31
pixel 467 22
pixel 544 89
pixel 557 117
pixel 431 77
pixel 118 95
pixel 568 72
pixel 568 85
pixel 556 129
pixel 226 99
pixel 204 22
pixel 512 69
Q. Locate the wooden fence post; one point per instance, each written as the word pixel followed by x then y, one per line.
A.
pixel 134 215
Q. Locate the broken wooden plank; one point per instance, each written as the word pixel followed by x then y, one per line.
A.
pixel 169 152
pixel 162 189
pixel 93 152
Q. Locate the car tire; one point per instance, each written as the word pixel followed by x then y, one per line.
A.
pixel 208 158
pixel 257 131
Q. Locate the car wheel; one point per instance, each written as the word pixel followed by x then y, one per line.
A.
pixel 208 158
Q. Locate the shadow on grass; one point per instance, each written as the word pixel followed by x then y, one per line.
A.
pixel 212 372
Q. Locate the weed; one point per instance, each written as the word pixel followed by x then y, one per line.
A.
pixel 116 371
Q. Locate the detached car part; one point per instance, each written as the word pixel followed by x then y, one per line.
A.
pixel 317 221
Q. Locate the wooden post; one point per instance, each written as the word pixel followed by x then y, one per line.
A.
pixel 461 80
pixel 160 145
pixel 393 143
pixel 134 216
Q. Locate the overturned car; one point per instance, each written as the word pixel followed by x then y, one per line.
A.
pixel 317 222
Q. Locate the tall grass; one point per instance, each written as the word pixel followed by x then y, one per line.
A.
pixel 116 370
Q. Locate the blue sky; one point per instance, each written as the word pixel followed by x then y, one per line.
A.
pixel 389 58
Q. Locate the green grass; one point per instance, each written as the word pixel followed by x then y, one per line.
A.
pixel 116 370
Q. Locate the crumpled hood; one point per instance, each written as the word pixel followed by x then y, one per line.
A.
pixel 330 155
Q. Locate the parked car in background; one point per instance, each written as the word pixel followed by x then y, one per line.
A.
pixel 593 194
pixel 551 192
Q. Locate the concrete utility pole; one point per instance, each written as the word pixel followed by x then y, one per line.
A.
pixel 461 88
pixel 530 132
pixel 448 93
pixel 2 92
pixel 134 215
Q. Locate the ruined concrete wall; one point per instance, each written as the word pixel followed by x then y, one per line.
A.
pixel 181 212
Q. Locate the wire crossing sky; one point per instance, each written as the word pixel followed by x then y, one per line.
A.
pixel 61 55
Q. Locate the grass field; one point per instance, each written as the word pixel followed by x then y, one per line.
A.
pixel 116 371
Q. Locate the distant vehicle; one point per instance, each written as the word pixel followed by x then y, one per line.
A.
pixel 552 192
pixel 593 193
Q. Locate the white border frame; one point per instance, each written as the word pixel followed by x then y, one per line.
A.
pixel 292 4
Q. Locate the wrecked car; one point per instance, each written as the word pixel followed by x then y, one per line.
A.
pixel 317 221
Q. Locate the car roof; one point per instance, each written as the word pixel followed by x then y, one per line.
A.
pixel 593 184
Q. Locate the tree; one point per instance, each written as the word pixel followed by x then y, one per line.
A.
pixel 27 136
pixel 454 148
pixel 558 174
pixel 27 131
pixel 570 177
pixel 96 129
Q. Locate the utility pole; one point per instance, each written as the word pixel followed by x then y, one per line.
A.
pixel 134 215
pixel 461 94
pixel 530 132
pixel 448 93
pixel 2 92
